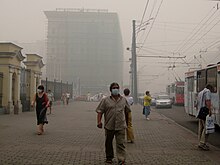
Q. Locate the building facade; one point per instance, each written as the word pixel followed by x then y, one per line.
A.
pixel 85 47
pixel 17 84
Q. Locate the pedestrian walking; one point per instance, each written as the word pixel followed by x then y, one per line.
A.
pixel 63 98
pixel 204 102
pixel 67 98
pixel 42 102
pixel 147 102
pixel 130 133
pixel 114 107
pixel 88 96
pixel 51 99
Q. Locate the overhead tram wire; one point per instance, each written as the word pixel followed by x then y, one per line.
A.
pixel 197 32
pixel 158 50
pixel 145 9
pixel 213 44
pixel 191 38
pixel 150 15
pixel 187 39
pixel 202 36
pixel 215 58
pixel 194 56
pixel 152 24
pixel 153 8
pixel 210 46
pixel 170 43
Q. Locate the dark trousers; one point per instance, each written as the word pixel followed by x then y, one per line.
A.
pixel 120 147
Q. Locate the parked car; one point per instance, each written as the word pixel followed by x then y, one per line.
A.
pixel 80 98
pixel 95 98
pixel 163 101
pixel 153 101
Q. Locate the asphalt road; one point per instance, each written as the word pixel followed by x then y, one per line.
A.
pixel 177 113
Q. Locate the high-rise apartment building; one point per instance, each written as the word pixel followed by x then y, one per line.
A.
pixel 84 46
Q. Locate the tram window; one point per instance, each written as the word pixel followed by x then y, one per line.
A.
pixel 190 84
pixel 201 80
pixel 212 78
pixel 179 90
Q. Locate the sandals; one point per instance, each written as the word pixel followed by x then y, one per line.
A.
pixel 39 133
pixel 42 130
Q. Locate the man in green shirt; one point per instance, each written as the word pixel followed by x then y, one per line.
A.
pixel 114 107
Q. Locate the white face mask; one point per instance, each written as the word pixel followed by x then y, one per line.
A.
pixel 39 90
pixel 115 92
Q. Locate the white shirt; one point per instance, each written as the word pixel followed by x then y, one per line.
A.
pixel 68 95
pixel 50 96
pixel 129 100
pixel 204 95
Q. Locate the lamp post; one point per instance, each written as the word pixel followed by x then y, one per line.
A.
pixel 134 65
pixel 135 30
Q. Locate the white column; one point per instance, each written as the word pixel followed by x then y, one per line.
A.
pixel 10 107
pixel 10 85
pixel 19 84
pixel 19 88
pixel 35 82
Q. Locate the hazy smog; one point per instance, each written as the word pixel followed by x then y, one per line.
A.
pixel 172 37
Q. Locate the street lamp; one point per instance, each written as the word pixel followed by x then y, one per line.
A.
pixel 135 31
pixel 134 64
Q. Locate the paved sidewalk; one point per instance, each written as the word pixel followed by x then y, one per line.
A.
pixel 72 138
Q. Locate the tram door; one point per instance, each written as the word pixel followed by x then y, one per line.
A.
pixel 213 79
pixel 190 97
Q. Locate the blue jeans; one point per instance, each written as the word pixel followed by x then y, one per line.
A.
pixel 146 110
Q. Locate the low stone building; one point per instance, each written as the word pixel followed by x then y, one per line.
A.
pixel 11 60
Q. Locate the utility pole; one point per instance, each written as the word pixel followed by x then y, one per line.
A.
pixel 134 65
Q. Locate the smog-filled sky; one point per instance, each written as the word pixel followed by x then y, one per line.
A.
pixel 180 34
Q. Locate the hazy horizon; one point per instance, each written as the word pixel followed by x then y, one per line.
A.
pixel 23 21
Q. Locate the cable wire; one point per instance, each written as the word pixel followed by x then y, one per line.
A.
pixel 145 9
pixel 152 23
pixel 181 47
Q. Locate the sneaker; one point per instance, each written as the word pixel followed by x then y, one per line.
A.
pixel 130 141
pixel 108 161
pixel 204 147
pixel 39 133
pixel 148 118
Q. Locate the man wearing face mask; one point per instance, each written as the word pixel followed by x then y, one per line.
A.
pixel 42 102
pixel 114 107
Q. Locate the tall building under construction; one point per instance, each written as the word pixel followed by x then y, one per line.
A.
pixel 84 46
